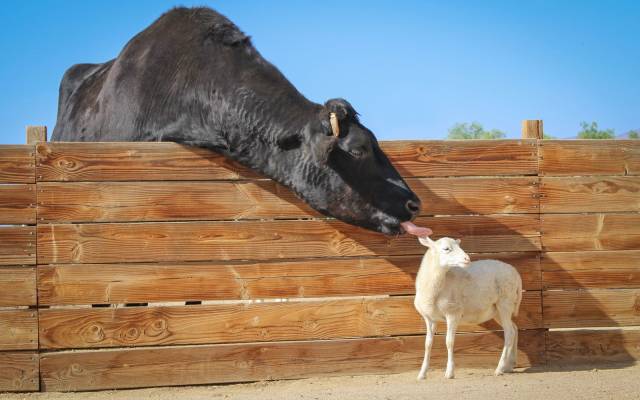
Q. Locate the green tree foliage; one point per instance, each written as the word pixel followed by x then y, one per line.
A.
pixel 473 130
pixel 591 131
pixel 634 134
pixel 545 136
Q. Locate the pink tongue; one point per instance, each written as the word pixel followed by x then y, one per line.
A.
pixel 412 229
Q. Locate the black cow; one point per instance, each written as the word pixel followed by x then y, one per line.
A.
pixel 193 77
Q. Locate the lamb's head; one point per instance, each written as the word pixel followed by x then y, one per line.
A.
pixel 447 250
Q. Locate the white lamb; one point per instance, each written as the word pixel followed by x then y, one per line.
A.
pixel 451 288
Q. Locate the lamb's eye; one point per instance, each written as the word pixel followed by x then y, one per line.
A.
pixel 447 249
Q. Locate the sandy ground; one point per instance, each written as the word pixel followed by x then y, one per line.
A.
pixel 586 382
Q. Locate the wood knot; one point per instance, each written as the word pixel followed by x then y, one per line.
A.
pixel 130 334
pixel 67 164
pixel 157 327
pixel 310 325
pixel 75 369
pixel 93 333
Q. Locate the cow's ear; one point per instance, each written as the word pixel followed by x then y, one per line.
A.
pixel 318 139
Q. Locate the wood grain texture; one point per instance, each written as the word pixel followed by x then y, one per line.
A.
pixel 17 164
pixel 230 323
pixel 439 158
pixel 477 195
pixel 17 204
pixel 169 161
pixel 590 194
pixel 206 364
pixel 143 283
pixel 591 346
pixel 583 232
pixel 590 157
pixel 19 372
pixel 17 286
pixel 591 308
pixel 18 329
pixel 167 201
pixel 59 161
pixel 176 201
pixel 532 129
pixel 253 240
pixel 36 134
pixel 17 245
pixel 591 269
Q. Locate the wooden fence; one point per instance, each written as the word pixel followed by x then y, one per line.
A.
pixel 147 264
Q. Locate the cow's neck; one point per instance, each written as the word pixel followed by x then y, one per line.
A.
pixel 258 125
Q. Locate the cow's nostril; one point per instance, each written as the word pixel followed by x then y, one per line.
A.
pixel 412 206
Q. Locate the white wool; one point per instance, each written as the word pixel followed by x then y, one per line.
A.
pixel 452 290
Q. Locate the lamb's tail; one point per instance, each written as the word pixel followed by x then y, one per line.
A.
pixel 519 296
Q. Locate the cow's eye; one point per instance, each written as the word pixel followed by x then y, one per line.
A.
pixel 356 153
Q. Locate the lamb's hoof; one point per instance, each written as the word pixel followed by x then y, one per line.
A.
pixel 503 370
pixel 421 377
pixel 449 375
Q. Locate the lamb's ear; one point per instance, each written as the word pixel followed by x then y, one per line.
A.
pixel 426 241
pixel 458 241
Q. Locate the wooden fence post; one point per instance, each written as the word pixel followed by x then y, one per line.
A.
pixel 36 134
pixel 532 129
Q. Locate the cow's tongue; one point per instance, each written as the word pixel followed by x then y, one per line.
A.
pixel 412 229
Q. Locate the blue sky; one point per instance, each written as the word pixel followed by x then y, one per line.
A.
pixel 411 68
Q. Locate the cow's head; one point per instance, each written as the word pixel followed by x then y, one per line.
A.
pixel 344 174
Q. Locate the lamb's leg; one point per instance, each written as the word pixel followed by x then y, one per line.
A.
pixel 507 362
pixel 428 341
pixel 514 350
pixel 452 326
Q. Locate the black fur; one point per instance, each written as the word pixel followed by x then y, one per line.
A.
pixel 193 77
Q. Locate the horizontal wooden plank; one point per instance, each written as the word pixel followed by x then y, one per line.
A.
pixel 206 364
pixel 142 283
pixel 17 164
pixel 591 269
pixel 590 308
pixel 17 204
pixel 230 323
pixel 18 329
pixel 17 245
pixel 590 194
pixel 463 157
pixel 175 201
pixel 19 372
pixel 477 195
pixel 169 161
pixel 592 346
pixel 254 240
pixel 17 286
pixel 578 232
pixel 590 157
pixel 126 161
pixel 167 201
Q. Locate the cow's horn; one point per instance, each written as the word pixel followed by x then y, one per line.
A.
pixel 335 127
